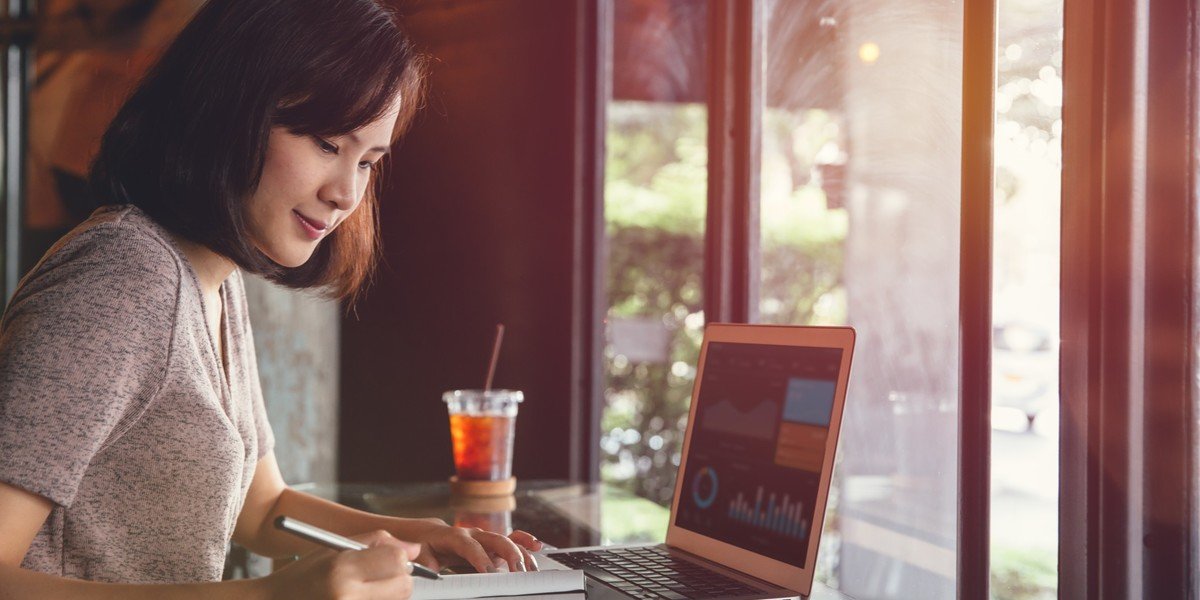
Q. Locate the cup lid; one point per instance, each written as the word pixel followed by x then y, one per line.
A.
pixel 506 395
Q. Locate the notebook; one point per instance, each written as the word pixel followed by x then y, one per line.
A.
pixel 754 474
pixel 497 585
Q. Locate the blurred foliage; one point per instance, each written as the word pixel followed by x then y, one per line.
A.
pixel 1029 93
pixel 652 273
pixel 627 519
pixel 656 175
pixel 802 235
pixel 1024 574
pixel 655 197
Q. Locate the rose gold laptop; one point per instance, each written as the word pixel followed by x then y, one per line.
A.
pixel 754 476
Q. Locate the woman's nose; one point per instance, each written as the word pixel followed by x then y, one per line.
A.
pixel 341 191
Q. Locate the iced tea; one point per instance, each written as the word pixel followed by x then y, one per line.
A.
pixel 482 446
pixel 482 424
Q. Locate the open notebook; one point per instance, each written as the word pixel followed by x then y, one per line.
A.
pixel 491 585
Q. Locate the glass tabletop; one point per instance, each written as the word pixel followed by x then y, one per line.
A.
pixel 560 513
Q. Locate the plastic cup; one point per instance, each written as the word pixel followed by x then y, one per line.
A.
pixel 482 425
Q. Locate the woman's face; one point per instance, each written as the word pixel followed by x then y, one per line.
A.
pixel 310 185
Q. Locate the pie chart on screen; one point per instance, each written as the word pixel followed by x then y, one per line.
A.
pixel 704 487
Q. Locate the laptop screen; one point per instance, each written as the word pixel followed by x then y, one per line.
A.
pixel 757 447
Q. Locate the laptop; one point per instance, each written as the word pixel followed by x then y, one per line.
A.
pixel 753 478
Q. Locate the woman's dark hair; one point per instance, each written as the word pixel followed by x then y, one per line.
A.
pixel 188 146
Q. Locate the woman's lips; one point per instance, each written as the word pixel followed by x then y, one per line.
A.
pixel 312 228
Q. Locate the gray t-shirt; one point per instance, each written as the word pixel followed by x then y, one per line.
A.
pixel 115 405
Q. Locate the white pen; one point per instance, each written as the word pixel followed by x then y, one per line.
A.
pixel 330 539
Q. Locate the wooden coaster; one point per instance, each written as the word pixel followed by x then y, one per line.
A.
pixel 503 487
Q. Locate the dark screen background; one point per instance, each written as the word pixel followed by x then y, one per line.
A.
pixel 757 447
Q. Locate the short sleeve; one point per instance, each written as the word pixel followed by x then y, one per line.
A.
pixel 84 347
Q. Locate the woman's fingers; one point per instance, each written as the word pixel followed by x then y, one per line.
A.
pixel 525 540
pixel 503 548
pixel 399 587
pixel 428 557
pixel 377 563
pixel 527 544
pixel 472 551
pixel 386 558
pixel 530 561
pixel 380 536
pixel 382 570
pixel 369 573
pixel 384 562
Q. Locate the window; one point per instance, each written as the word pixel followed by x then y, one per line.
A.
pixel 860 212
pixel 654 204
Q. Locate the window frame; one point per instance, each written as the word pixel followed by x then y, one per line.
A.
pixel 735 107
pixel 593 88
pixel 16 72
pixel 975 299
pixel 1129 317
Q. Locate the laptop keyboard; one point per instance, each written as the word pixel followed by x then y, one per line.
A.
pixel 652 572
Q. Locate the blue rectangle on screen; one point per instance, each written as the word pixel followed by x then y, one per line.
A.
pixel 809 401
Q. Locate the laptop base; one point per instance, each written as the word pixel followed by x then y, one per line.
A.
pixel 659 572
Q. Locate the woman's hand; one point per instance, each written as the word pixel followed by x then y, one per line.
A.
pixel 381 571
pixel 443 545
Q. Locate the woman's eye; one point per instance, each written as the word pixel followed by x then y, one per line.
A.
pixel 366 165
pixel 326 147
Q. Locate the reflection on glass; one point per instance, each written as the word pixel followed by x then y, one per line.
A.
pixel 860 225
pixel 655 194
pixel 1025 283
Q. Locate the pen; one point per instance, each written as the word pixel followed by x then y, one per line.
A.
pixel 315 534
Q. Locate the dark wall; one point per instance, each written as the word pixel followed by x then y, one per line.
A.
pixel 477 219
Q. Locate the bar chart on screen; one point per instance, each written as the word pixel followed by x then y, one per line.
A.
pixel 782 516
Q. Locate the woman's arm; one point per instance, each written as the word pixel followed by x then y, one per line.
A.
pixel 377 572
pixel 17 583
pixel 269 497
pixel 21 516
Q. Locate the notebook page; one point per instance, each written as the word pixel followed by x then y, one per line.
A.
pixel 481 585
pixel 570 596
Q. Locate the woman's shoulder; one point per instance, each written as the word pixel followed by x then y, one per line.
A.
pixel 124 235
pixel 117 245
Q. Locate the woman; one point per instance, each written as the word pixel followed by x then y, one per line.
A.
pixel 133 440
